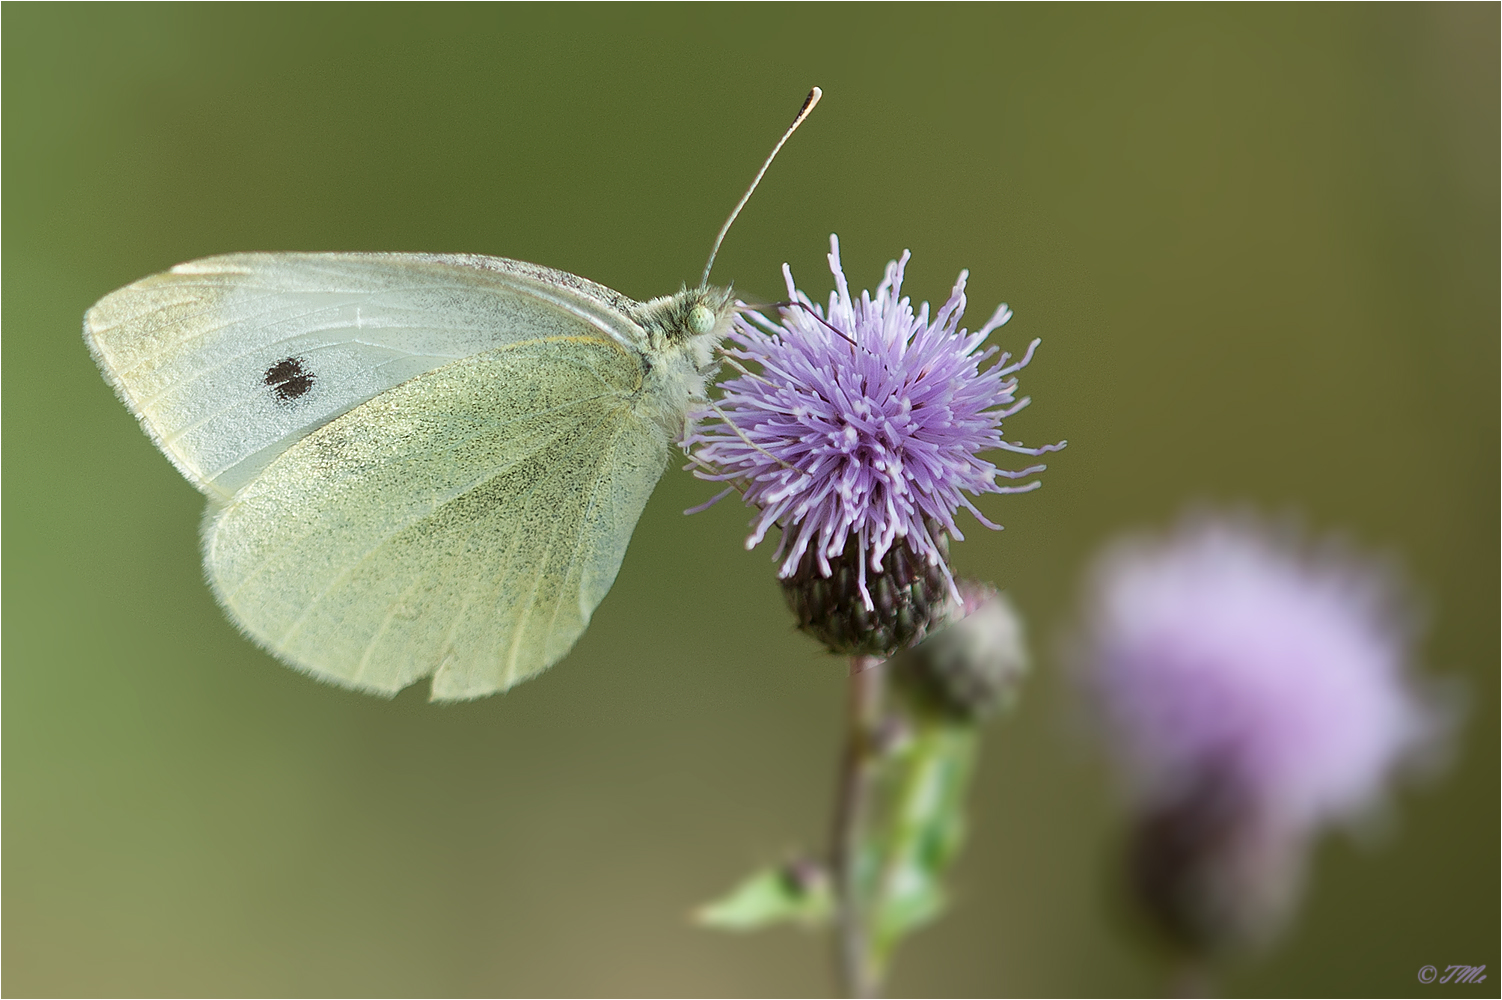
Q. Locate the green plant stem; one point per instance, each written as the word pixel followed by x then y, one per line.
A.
pixel 858 975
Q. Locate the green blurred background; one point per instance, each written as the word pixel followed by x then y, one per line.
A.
pixel 1260 246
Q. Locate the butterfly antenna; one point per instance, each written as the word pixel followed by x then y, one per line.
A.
pixel 808 106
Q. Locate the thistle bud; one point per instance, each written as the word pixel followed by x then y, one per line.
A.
pixel 971 665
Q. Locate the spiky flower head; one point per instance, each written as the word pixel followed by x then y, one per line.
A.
pixel 863 422
pixel 1253 691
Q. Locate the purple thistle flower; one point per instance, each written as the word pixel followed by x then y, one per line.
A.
pixel 1252 693
pixel 1227 644
pixel 864 421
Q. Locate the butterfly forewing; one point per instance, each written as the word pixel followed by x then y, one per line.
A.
pixel 228 360
pixel 463 524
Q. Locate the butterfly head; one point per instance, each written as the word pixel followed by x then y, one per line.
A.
pixel 689 325
pixel 682 332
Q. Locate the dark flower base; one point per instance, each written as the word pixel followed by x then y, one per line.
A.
pixel 909 594
pixel 1208 873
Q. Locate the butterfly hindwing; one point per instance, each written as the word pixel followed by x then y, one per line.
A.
pixel 464 524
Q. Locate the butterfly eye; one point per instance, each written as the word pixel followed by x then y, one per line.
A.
pixel 700 320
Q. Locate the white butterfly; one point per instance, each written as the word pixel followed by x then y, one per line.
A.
pixel 417 464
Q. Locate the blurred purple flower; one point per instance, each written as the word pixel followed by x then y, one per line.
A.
pixel 865 420
pixel 1252 692
pixel 1228 644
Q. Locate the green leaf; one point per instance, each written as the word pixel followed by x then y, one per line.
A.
pixel 795 893
pixel 925 827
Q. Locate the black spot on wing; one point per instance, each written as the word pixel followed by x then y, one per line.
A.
pixel 289 378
